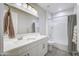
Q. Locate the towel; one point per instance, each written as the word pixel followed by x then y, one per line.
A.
pixel 8 25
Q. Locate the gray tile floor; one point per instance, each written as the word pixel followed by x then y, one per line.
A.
pixel 57 52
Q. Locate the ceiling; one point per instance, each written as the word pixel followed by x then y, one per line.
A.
pixel 56 7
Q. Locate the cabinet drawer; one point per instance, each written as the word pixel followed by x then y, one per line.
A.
pixel 43 47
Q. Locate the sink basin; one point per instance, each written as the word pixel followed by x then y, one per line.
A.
pixel 24 40
pixel 20 38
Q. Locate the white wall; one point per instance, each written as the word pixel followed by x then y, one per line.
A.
pixel 27 20
pixel 60 30
pixel 1 28
pixel 42 18
pixel 25 23
pixel 1 17
pixel 65 12
pixel 22 21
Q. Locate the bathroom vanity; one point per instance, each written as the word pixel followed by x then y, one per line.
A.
pixel 28 45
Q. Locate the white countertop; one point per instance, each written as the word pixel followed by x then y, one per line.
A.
pixel 27 39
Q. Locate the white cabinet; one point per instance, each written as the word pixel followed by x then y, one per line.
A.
pixel 40 49
pixel 43 47
pixel 34 51
pixel 37 48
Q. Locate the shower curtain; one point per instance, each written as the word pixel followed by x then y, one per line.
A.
pixel 8 25
pixel 71 23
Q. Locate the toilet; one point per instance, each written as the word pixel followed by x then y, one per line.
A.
pixel 50 45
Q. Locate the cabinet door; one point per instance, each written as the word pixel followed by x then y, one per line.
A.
pixel 40 49
pixel 43 47
pixel 35 51
pixel 26 53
